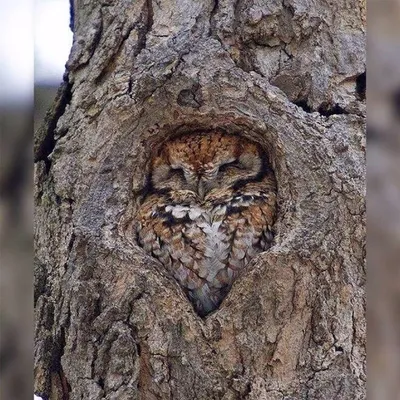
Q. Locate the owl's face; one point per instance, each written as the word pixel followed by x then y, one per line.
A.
pixel 206 161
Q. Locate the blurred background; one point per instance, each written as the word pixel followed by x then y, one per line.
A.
pixel 52 43
pixel 34 45
pixel 35 41
pixel 383 199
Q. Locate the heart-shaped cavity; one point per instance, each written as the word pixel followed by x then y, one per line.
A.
pixel 208 210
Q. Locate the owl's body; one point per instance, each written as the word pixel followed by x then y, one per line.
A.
pixel 209 210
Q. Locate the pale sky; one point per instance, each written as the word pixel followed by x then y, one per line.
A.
pixel 35 41
pixel 53 39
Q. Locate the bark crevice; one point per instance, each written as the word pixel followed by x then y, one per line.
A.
pixel 45 137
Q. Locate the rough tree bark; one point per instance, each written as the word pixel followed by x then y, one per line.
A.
pixel 110 322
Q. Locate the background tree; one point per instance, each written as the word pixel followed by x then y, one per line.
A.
pixel 110 323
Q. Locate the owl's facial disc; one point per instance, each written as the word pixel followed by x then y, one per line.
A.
pixel 204 162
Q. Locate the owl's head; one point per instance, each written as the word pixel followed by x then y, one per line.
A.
pixel 205 161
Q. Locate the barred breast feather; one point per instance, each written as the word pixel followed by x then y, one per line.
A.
pixel 205 246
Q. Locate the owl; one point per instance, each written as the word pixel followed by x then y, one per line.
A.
pixel 209 207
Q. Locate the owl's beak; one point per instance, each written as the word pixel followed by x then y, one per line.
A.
pixel 201 189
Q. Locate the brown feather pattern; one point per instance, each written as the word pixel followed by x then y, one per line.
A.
pixel 209 211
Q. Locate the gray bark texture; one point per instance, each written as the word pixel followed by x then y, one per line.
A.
pixel 110 322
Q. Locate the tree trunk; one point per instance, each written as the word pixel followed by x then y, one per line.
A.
pixel 110 322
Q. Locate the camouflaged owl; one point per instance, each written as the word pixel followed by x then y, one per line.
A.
pixel 209 208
